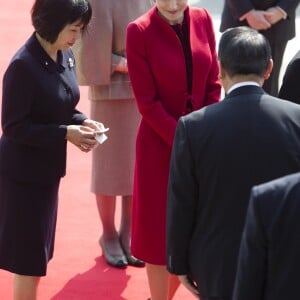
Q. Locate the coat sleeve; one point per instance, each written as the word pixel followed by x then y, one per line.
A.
pixel 239 8
pixel 290 88
pixel 182 201
pixel 17 106
pixel 143 85
pixel 288 5
pixel 252 263
pixel 78 117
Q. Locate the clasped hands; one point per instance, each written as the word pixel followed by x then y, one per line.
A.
pixel 83 136
pixel 263 19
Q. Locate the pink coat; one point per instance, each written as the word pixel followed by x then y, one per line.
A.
pixel 103 46
pixel 158 75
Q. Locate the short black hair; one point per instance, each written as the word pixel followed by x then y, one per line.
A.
pixel 49 17
pixel 243 50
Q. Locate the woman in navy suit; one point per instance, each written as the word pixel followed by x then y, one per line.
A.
pixel 40 93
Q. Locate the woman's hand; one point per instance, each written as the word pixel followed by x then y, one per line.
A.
pixel 82 136
pixel 276 14
pixel 97 126
pixel 257 19
pixel 122 66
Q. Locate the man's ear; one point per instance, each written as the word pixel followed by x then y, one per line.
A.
pixel 222 73
pixel 269 69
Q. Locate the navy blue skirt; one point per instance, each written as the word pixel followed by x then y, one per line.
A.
pixel 28 213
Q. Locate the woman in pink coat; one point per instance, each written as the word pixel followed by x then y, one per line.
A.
pixel 101 65
pixel 173 69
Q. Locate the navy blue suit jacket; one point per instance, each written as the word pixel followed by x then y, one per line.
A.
pixel 38 102
pixel 220 152
pixel 290 88
pixel 269 263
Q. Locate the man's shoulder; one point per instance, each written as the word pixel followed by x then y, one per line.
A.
pixel 295 61
pixel 286 186
pixel 144 20
pixel 198 12
pixel 282 104
pixel 204 114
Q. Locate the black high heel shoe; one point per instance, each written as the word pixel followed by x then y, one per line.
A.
pixel 132 261
pixel 117 261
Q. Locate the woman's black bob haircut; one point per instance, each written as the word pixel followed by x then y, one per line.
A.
pixel 49 17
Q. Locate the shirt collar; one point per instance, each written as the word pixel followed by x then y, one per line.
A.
pixel 240 84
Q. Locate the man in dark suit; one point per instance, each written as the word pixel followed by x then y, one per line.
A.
pixel 274 18
pixel 269 264
pixel 219 153
pixel 290 88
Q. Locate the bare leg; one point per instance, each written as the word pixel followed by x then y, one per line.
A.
pixel 173 285
pixel 162 284
pixel 25 287
pixel 106 208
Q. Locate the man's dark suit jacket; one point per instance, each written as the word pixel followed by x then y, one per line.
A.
pixel 219 153
pixel 290 88
pixel 278 35
pixel 269 263
pixel 284 30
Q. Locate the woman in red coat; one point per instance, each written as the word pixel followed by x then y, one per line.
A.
pixel 173 69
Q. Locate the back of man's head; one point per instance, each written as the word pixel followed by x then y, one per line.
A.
pixel 244 51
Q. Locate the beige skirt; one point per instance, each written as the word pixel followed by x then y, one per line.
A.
pixel 113 161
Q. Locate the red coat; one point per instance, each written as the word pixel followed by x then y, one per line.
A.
pixel 158 75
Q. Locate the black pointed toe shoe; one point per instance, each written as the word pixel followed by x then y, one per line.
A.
pixel 133 261
pixel 117 261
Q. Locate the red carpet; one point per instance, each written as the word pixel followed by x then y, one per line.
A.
pixel 78 270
